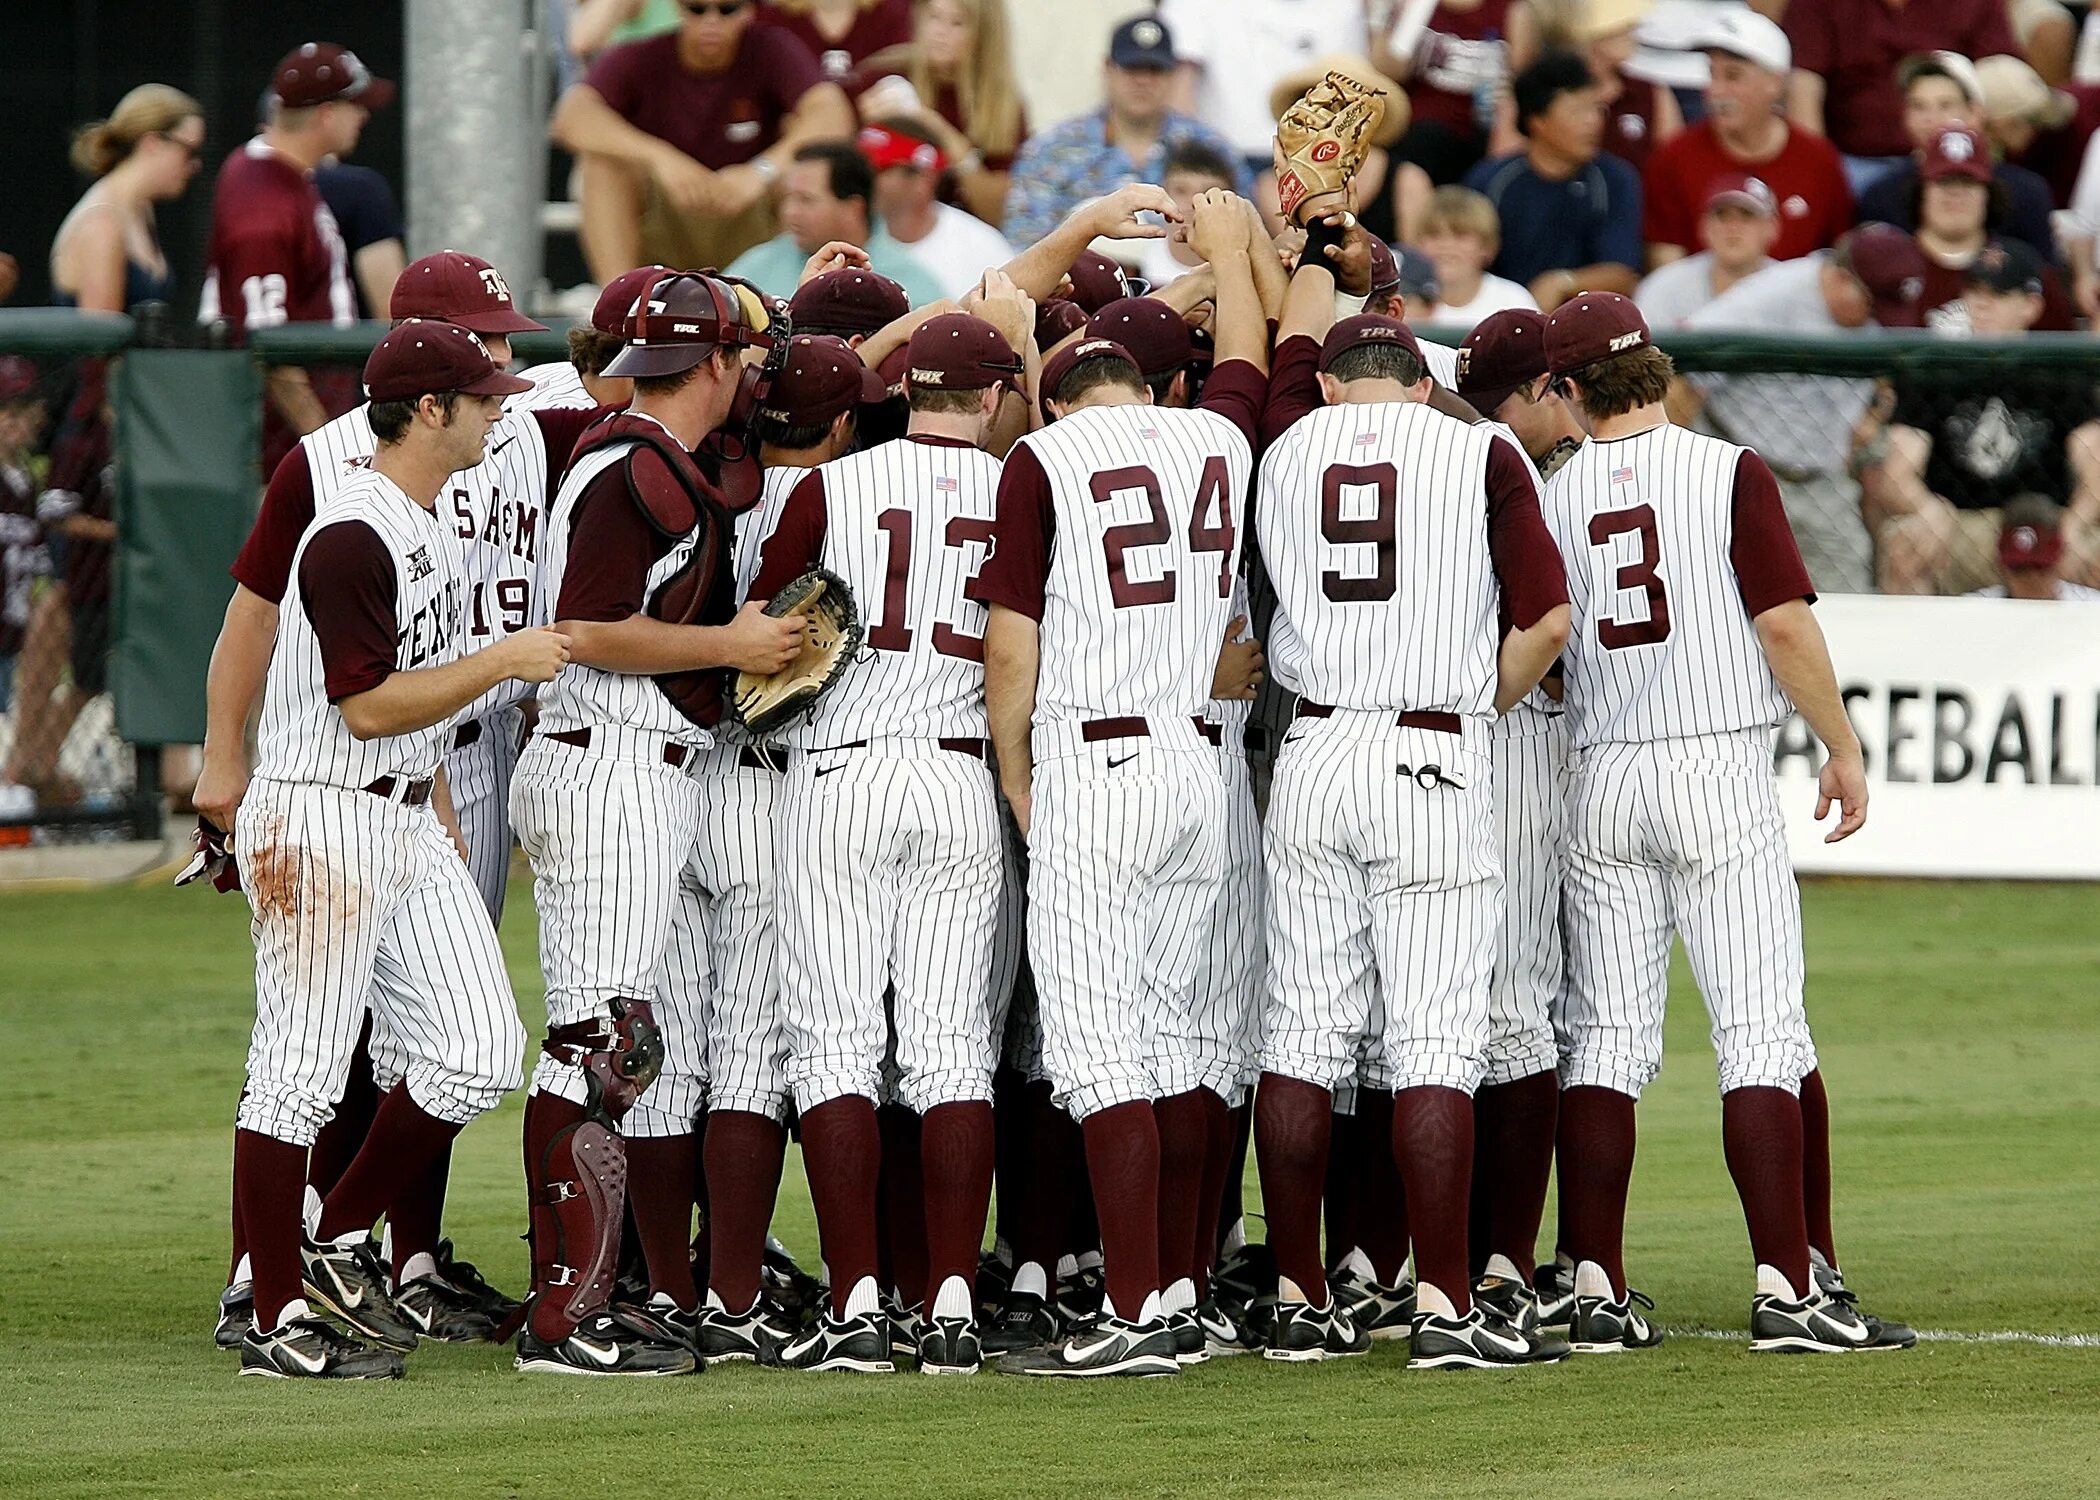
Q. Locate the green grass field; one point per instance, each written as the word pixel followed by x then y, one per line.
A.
pixel 1958 1028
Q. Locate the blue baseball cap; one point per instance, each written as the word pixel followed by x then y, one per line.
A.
pixel 1142 42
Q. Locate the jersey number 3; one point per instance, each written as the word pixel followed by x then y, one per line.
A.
pixel 1213 497
pixel 1640 574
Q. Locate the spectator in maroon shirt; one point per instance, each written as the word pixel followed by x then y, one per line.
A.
pixel 1845 58
pixel 1638 115
pixel 1958 207
pixel 682 136
pixel 843 34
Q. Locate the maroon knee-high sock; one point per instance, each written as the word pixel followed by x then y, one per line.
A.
pixel 415 1219
pixel 1010 1122
pixel 1039 1221
pixel 401 1144
pixel 1122 1158
pixel 1341 1184
pixel 956 1148
pixel 1232 1204
pixel 903 1217
pixel 1183 1130
pixel 1515 1120
pixel 660 1189
pixel 842 1153
pixel 339 1140
pixel 1596 1169
pixel 1433 1143
pixel 1815 1164
pixel 1761 1133
pixel 1293 1123
pixel 744 1153
pixel 240 1228
pixel 546 1116
pixel 1220 1140
pixel 1381 1196
pixel 269 1185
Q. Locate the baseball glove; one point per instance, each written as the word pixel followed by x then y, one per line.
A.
pixel 1321 141
pixel 765 705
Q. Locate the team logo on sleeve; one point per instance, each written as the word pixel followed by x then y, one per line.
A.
pixel 420 566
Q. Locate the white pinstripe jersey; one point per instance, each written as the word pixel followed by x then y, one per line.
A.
pixel 1441 360
pixel 753 526
pixel 1660 645
pixel 494 510
pixel 1373 521
pixel 581 697
pixel 554 384
pixel 1144 553
pixel 908 524
pixel 302 737
pixel 1538 699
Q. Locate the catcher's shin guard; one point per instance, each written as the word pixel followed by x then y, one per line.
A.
pixel 580 1184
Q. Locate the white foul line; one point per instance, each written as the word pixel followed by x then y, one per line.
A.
pixel 1934 1336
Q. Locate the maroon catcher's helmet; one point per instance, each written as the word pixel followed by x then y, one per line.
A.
pixel 681 317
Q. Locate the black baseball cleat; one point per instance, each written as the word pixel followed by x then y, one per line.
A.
pixel 792 1290
pixel 995 1278
pixel 1515 1303
pixel 860 1344
pixel 1554 1285
pixel 470 1283
pixel 347 1279
pixel 663 1317
pixel 1108 1346
pixel 1814 1324
pixel 1604 1325
pixel 1305 1334
pixel 441 1311
pixel 1190 1346
pixel 1081 1295
pixel 310 1349
pixel 1885 1333
pixel 1023 1321
pixel 949 1346
pixel 236 1315
pixel 725 1337
pixel 1223 1334
pixel 1477 1341
pixel 605 1343
pixel 904 1325
pixel 1383 1312
pixel 1244 1275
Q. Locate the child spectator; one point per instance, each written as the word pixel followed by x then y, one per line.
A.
pixel 1461 236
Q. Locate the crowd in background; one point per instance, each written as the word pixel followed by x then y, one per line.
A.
pixel 1708 157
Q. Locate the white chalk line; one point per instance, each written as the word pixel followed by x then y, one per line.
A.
pixel 1932 1336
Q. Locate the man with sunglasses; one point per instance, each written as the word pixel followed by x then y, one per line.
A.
pixel 682 137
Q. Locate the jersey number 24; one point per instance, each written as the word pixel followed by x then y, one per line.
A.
pixel 1213 498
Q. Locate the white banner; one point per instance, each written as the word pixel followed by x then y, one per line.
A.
pixel 1981 724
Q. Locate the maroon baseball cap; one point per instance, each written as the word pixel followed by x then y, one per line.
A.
pixel 1152 332
pixel 848 300
pixel 1057 318
pixel 821 378
pixel 958 352
pixel 616 302
pixel 1956 151
pixel 1741 190
pixel 425 357
pixel 1505 350
pixel 2028 546
pixel 1385 268
pixel 459 288
pixel 319 72
pixel 1593 326
pixel 1064 360
pixel 1891 267
pixel 19 380
pixel 1364 329
pixel 1097 281
pixel 679 319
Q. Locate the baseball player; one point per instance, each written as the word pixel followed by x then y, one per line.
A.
pixel 1111 584
pixel 494 510
pixel 1692 635
pixel 360 898
pixel 1396 536
pixel 607 805
pixel 580 380
pixel 891 817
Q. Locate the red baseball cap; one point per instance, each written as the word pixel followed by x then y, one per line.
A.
pixel 821 378
pixel 2030 547
pixel 1153 333
pixel 1097 281
pixel 459 288
pixel 616 302
pixel 1891 267
pixel 1956 151
pixel 958 352
pixel 1505 350
pixel 1064 360
pixel 1364 329
pixel 1741 190
pixel 1593 326
pixel 425 357
pixel 885 148
pixel 320 72
pixel 848 300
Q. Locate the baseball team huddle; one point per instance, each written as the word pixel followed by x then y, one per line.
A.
pixel 998 904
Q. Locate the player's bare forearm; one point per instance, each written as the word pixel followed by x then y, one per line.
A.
pixel 1451 404
pixel 1040 268
pixel 1800 658
pixel 293 396
pixel 1013 421
pixel 1527 654
pixel 1240 329
pixel 422 696
pixel 1012 643
pixel 1308 307
pixel 233 686
pixel 888 339
pixel 643 645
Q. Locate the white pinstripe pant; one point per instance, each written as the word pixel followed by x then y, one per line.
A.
pixel 1530 753
pixel 608 829
pixel 1384 901
pixel 1126 849
pixel 361 902
pixel 1685 836
pixel 888 875
pixel 1231 966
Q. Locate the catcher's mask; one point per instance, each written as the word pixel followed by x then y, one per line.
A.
pixel 680 318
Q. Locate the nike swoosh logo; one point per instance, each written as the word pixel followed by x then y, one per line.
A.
pixel 1124 761
pixel 604 1356
pixel 825 770
pixel 310 1363
pixel 502 445
pixel 1506 1342
pixel 1075 1352
pixel 348 1296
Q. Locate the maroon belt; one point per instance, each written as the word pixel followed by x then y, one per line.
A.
pixel 675 754
pixel 1128 727
pixel 749 759
pixel 412 793
pixel 1215 733
pixel 960 744
pixel 466 734
pixel 1442 723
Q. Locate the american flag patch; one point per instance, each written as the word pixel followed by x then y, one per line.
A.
pixel 1622 476
pixel 1366 437
pixel 944 482
pixel 1150 434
